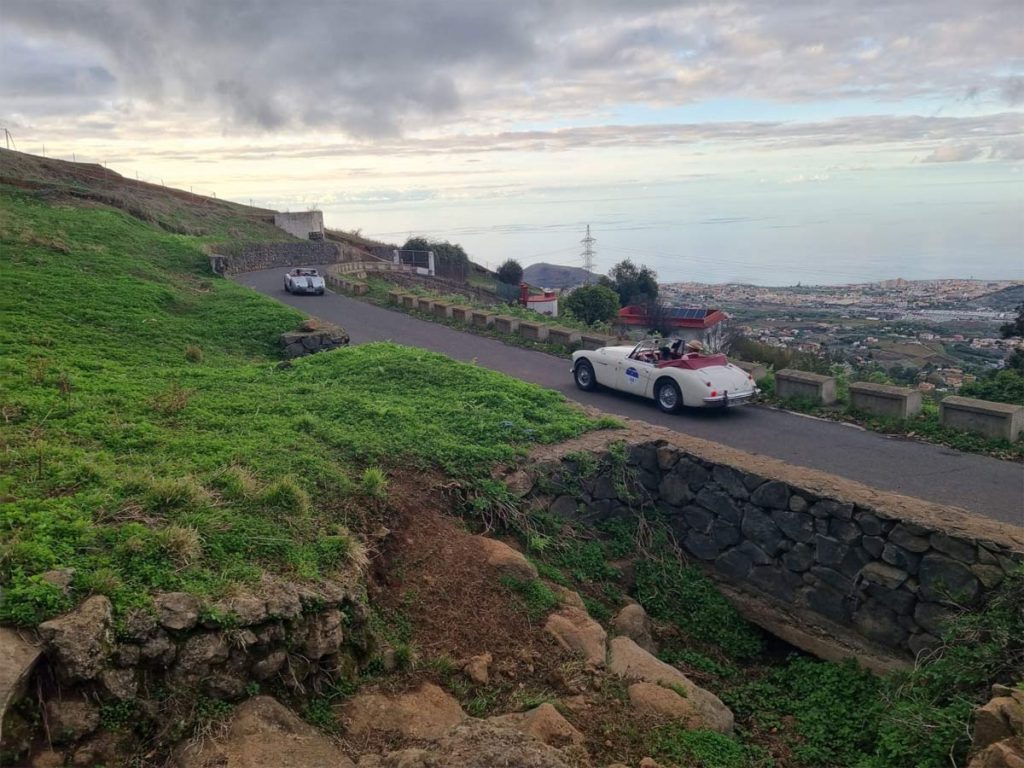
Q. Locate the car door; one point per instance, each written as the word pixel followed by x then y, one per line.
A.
pixel 634 376
pixel 605 367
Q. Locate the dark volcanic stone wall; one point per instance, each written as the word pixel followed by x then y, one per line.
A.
pixel 249 257
pixel 858 564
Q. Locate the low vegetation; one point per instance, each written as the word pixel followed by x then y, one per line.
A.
pixel 152 441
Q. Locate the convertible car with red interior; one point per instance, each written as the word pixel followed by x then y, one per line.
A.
pixel 655 370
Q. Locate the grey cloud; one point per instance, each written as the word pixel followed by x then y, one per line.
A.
pixel 381 68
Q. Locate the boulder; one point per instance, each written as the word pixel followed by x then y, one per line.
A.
pixel 477 668
pixel 633 622
pixel 1002 754
pixel 176 610
pixel 426 713
pixel 81 640
pixel 1001 718
pixel 659 701
pixel 543 723
pixel 575 631
pixel 632 663
pixel 507 561
pixel 18 658
pixel 69 720
pixel 262 732
pixel 481 744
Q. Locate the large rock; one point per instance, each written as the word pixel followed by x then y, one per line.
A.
pixel 1001 718
pixel 575 631
pixel 426 713
pixel 659 701
pixel 176 610
pixel 633 622
pixel 1002 754
pixel 506 560
pixel 543 723
pixel 68 720
pixel 632 663
pixel 81 640
pixel 260 733
pixel 944 579
pixel 17 660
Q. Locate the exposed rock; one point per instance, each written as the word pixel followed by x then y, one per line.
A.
pixel 82 639
pixel 426 713
pixel 138 625
pixel 565 507
pixel 159 649
pixel 176 610
pixel 657 700
pixel 246 610
pixel 501 557
pixel 1001 718
pixel 632 663
pixel 1003 754
pixel 477 668
pixel 47 758
pixel 68 720
pixel 675 490
pixel 281 599
pixel 945 579
pixel 577 632
pixel 633 622
pixel 324 634
pixel 484 744
pixel 120 683
pixel 260 733
pixel 773 494
pixel 18 658
pixel 568 596
pixel 543 723
pixel 60 578
pixel 519 483
pixel 885 575
pixel 796 525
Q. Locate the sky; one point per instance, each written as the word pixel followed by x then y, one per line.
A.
pixel 770 141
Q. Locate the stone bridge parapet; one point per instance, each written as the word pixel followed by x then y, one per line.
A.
pixel 830 565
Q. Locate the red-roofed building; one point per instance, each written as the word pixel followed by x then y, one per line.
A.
pixel 545 303
pixel 704 325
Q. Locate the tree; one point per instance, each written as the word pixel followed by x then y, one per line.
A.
pixel 592 304
pixel 511 272
pixel 633 284
pixel 1014 327
pixel 450 260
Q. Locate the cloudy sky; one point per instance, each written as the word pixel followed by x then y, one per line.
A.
pixel 771 141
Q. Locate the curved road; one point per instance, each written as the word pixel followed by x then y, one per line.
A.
pixel 983 485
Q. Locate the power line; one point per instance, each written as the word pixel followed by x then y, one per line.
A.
pixel 588 253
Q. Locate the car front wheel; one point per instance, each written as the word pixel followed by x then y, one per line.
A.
pixel 584 375
pixel 668 396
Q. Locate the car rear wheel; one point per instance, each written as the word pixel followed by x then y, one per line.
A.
pixel 584 375
pixel 668 396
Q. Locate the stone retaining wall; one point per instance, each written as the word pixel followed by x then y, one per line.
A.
pixel 288 635
pixel 250 257
pixel 880 571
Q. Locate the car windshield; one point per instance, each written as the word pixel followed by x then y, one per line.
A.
pixel 649 350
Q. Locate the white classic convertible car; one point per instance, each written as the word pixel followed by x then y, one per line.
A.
pixel 304 280
pixel 655 370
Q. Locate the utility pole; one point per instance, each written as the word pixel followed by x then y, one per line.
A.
pixel 588 253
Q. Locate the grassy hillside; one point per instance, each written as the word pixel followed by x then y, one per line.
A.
pixel 151 442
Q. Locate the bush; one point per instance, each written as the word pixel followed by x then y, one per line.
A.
pixel 194 353
pixel 593 304
pixel 510 272
pixel 1006 386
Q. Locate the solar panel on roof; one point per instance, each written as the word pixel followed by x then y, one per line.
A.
pixel 687 313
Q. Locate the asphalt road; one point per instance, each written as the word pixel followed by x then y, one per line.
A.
pixel 983 485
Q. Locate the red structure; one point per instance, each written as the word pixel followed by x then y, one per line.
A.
pixel 679 318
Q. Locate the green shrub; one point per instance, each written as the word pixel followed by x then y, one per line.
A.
pixel 704 749
pixel 285 497
pixel 684 596
pixel 535 596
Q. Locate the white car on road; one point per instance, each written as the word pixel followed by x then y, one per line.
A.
pixel 649 369
pixel 304 280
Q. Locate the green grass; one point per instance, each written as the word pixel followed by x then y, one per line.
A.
pixel 151 443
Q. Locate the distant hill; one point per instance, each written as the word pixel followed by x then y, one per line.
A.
pixel 556 276
pixel 1003 300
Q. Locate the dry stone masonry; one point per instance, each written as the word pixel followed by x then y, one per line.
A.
pixel 884 570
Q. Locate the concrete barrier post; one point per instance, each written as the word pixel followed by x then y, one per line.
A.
pixel 790 384
pixel 424 305
pixel 409 301
pixel 999 421
pixel 506 324
pixel 757 371
pixel 885 400
pixel 442 309
pixel 533 331
pixel 481 318
pixel 565 337
pixel 460 313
